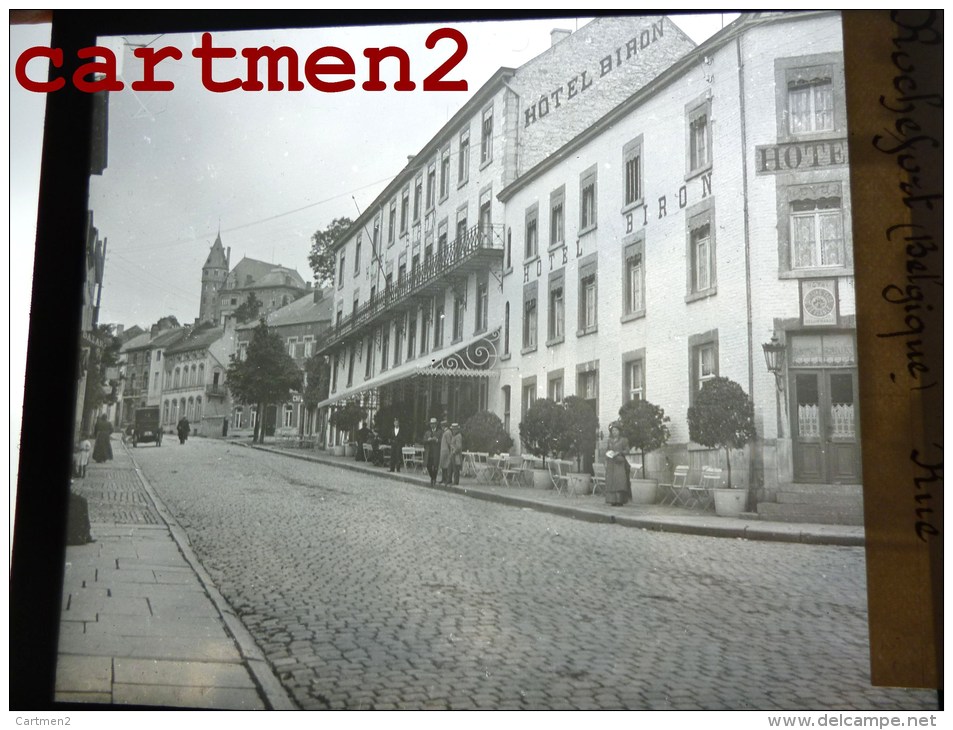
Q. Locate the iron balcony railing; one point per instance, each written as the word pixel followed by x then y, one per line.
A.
pixel 451 259
pixel 216 390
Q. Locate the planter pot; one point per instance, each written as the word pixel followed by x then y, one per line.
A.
pixel 337 450
pixel 579 484
pixel 643 490
pixel 542 479
pixel 730 502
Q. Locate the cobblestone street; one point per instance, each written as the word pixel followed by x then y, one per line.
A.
pixel 368 593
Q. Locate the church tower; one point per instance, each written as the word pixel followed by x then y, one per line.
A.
pixel 213 278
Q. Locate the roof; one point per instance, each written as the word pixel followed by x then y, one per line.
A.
pixel 137 343
pixel 197 340
pixel 216 257
pixel 301 311
pixel 263 275
pixel 169 337
pixel 727 34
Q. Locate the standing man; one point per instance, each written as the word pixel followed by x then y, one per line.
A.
pixel 456 452
pixel 183 429
pixel 432 451
pixel 397 441
pixel 446 451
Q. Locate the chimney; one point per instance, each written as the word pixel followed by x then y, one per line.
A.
pixel 557 34
pixel 318 295
pixel 154 330
pixel 410 158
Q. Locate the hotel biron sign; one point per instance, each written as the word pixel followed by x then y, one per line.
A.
pixel 818 154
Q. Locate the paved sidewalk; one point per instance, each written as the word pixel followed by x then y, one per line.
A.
pixel 593 508
pixel 142 624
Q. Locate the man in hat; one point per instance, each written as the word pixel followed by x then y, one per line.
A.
pixel 456 451
pixel 432 450
pixel 398 439
pixel 446 451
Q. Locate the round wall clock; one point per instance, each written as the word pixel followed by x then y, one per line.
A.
pixel 818 302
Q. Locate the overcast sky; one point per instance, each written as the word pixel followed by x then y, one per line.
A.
pixel 267 168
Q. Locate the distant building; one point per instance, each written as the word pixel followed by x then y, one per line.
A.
pixel 301 325
pixel 224 290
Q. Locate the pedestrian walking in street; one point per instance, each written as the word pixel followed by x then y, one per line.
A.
pixel 398 439
pixel 102 433
pixel 456 447
pixel 183 429
pixel 618 490
pixel 432 451
pixel 446 450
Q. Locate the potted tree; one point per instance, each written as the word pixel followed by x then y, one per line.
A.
pixel 644 426
pixel 346 419
pixel 542 432
pixel 722 416
pixel 483 432
pixel 582 428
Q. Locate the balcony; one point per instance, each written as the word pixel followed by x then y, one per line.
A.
pixel 479 247
pixel 216 390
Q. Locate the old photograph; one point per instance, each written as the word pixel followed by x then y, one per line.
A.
pixel 469 365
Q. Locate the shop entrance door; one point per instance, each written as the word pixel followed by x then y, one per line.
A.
pixel 825 426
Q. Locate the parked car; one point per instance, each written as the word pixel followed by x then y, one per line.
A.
pixel 147 428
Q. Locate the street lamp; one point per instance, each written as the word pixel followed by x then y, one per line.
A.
pixel 774 359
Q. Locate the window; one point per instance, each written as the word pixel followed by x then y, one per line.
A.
pixel 817 233
pixel 529 319
pixel 529 394
pixel 463 159
pixel 555 387
pixel 445 173
pixel 442 239
pixel 811 100
pixel 357 255
pixel 633 284
pixel 699 138
pixel 431 185
pixel 506 329
pixel 376 237
pixel 556 330
pixel 633 374
pixel 588 309
pixel 418 192
pixel 587 383
pixel 391 222
pixel 438 320
pixel 557 221
pixel 587 200
pixel 355 304
pixel 292 342
pixel 701 251
pixel 385 346
pixel 484 219
pixel 486 137
pixel 459 308
pixel 506 408
pixel 288 416
pixel 482 309
pixel 412 336
pixel 242 350
pixel 703 351
pixel 308 345
pixel 532 232
pixel 461 224
pixel 404 210
pixel 369 358
pixel 334 372
pixel 426 314
pixel 352 352
pixel 398 339
pixel 341 271
pixel 632 169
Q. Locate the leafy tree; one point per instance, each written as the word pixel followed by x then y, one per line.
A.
pixel 266 376
pixel 249 309
pixel 581 427
pixel 321 258
pixel 484 432
pixel 644 426
pixel 543 430
pixel 318 372
pixel 722 417
pixel 347 417
pixel 99 389
pixel 168 321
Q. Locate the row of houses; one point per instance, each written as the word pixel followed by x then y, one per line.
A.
pixel 625 216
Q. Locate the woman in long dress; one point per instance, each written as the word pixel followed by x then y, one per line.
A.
pixel 103 450
pixel 618 490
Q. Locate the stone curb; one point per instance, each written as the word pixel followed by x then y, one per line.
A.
pixel 707 527
pixel 272 691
